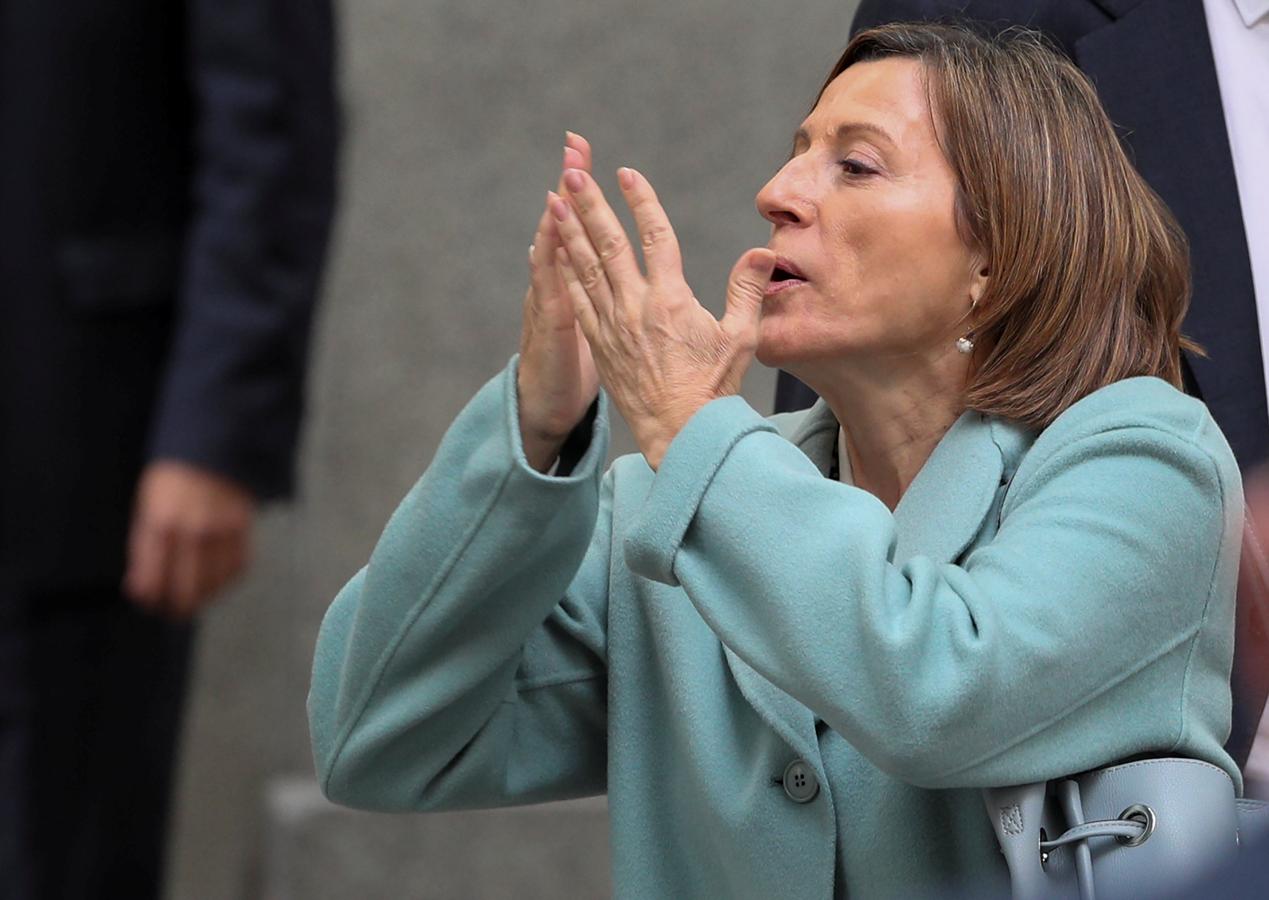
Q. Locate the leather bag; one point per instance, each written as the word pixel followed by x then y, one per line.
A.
pixel 1130 830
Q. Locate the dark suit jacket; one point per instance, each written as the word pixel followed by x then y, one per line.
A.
pixel 166 190
pixel 1151 61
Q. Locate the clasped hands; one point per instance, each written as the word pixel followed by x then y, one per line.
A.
pixel 592 316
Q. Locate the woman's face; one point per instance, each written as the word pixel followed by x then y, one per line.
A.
pixel 864 214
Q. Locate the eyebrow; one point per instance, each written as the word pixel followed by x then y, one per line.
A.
pixel 846 129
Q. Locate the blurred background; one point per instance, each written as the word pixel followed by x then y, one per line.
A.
pixel 454 117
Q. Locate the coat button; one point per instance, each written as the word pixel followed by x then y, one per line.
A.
pixel 800 782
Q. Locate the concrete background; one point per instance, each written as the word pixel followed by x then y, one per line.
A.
pixel 455 113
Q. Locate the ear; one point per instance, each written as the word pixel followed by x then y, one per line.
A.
pixel 979 280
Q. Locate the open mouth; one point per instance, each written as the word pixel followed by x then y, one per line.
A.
pixel 785 275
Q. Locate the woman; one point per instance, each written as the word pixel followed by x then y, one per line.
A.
pixel 791 685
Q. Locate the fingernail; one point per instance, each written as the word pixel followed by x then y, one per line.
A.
pixel 559 209
pixel 572 158
pixel 626 177
pixel 573 180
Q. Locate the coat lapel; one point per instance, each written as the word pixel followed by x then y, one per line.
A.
pixel 1155 75
pixel 940 514
pixel 944 507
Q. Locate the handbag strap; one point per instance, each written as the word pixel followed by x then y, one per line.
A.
pixel 1068 791
pixel 1126 829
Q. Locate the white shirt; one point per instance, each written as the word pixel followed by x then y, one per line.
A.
pixel 1239 31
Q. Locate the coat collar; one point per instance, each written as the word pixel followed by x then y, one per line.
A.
pixel 944 507
pixel 940 514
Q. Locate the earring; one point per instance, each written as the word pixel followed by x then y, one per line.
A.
pixel 965 344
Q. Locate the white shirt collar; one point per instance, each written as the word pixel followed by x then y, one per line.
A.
pixel 1252 11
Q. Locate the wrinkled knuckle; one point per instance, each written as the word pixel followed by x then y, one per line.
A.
pixel 591 275
pixel 612 246
pixel 653 236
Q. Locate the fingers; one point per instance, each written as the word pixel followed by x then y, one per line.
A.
pixel 190 575
pixel 542 254
pixel 174 572
pixel 189 537
pixel 149 561
pixel 577 154
pixel 202 564
pixel 661 254
pixel 746 288
pixel 583 306
pixel 582 264
pixel 601 227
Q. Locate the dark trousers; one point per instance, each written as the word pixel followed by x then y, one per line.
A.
pixel 91 693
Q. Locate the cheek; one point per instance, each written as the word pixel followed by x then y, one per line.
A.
pixel 869 274
pixel 906 267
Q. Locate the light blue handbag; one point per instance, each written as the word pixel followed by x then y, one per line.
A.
pixel 1131 830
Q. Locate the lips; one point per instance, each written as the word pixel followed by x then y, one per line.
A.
pixel 786 275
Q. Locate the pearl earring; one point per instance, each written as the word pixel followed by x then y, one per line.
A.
pixel 965 344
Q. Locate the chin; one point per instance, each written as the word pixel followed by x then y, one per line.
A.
pixel 770 354
pixel 786 348
pixel 777 342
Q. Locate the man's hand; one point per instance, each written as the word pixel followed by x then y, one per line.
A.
pixel 190 536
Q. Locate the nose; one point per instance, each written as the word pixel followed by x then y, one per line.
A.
pixel 784 200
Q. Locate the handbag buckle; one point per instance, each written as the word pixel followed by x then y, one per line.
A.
pixel 1138 812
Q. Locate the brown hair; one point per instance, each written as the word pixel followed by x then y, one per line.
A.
pixel 1089 269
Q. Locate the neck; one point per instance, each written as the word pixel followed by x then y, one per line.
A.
pixel 892 419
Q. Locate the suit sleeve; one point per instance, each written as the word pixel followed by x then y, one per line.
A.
pixel 465 665
pixel 1016 665
pixel 262 196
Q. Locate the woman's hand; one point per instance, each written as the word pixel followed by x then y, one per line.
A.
pixel 660 354
pixel 557 380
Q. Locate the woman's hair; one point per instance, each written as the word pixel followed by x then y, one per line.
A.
pixel 1089 271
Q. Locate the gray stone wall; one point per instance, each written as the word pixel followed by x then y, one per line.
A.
pixel 455 118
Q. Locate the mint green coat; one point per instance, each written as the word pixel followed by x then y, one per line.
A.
pixel 1034 607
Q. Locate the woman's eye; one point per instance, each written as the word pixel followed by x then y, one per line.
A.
pixel 855 167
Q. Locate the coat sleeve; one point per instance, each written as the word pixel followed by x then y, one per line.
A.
pixel 1093 626
pixel 262 198
pixel 465 665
